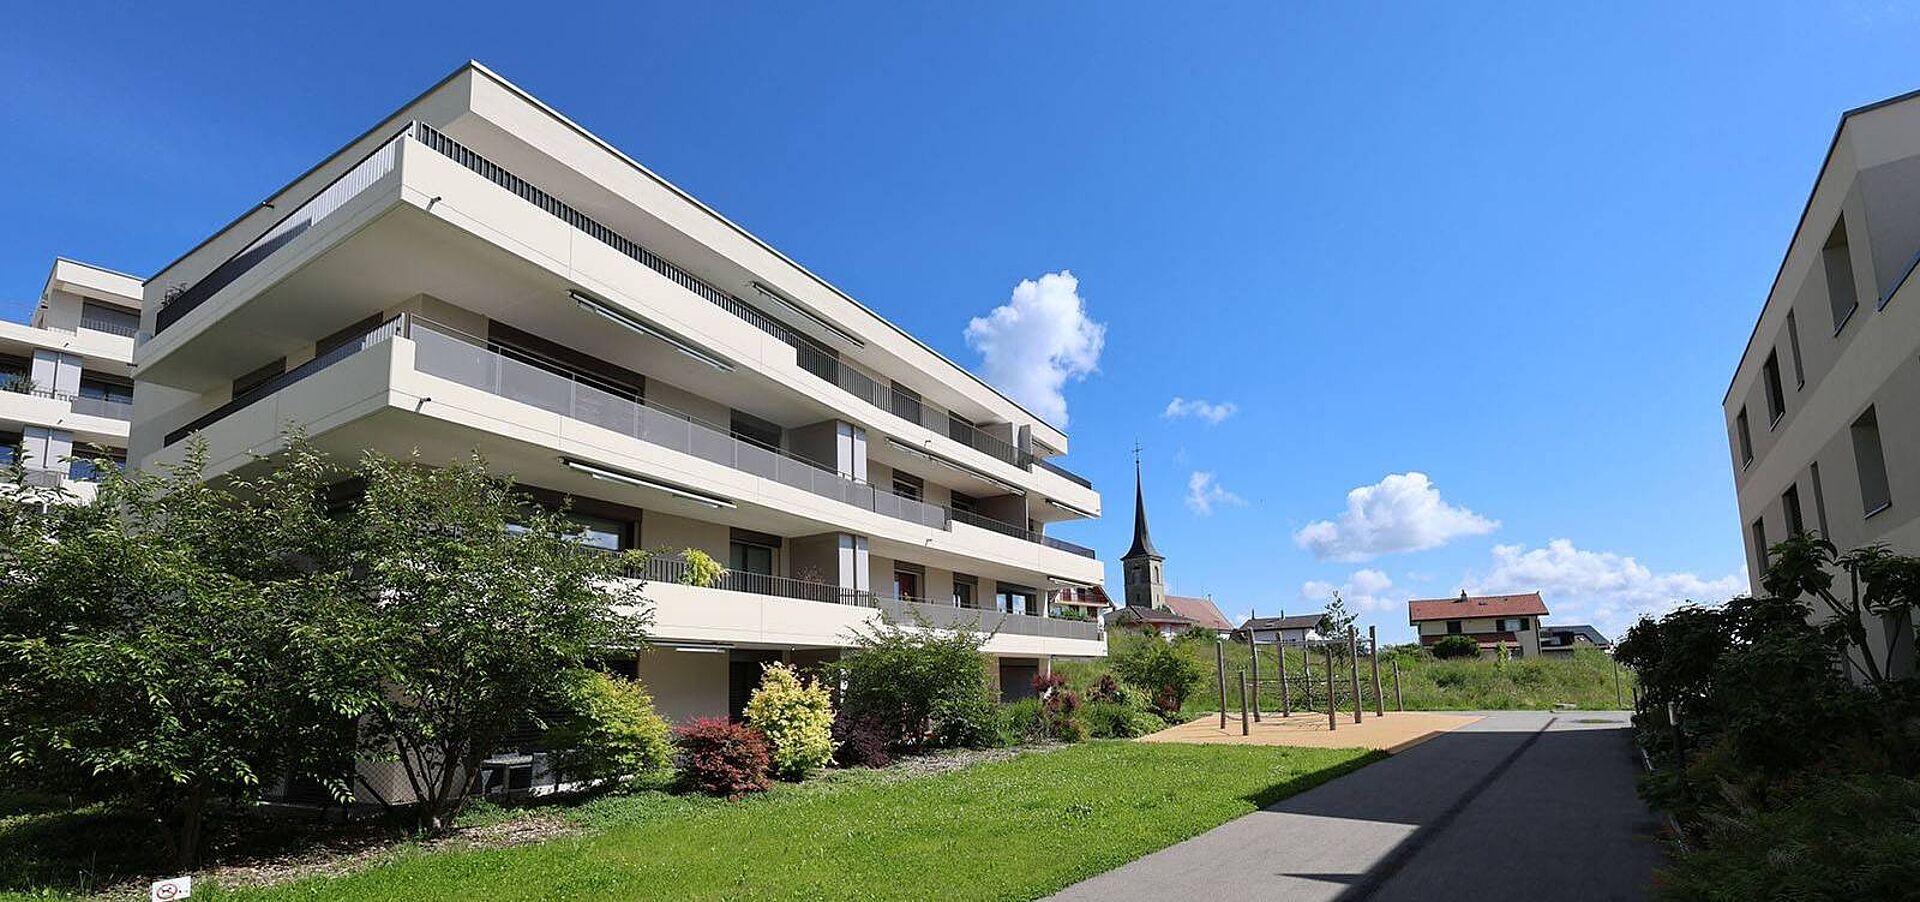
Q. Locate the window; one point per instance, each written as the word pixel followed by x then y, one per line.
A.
pixel 1015 600
pixel 1838 263
pixel 743 557
pixel 965 594
pixel 1793 344
pixel 1875 494
pixel 1746 437
pixel 82 467
pixel 907 485
pixel 1776 396
pixel 10 443
pixel 102 390
pixel 1453 627
pixel 906 584
pixel 1790 501
pixel 965 503
pixel 1760 542
pixel 749 428
pixel 1819 501
pixel 1510 625
pixel 105 318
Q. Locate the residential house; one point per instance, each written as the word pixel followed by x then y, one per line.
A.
pixel 1298 629
pixel 1562 641
pixel 1492 621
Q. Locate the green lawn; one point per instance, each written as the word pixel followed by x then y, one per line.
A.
pixel 1014 829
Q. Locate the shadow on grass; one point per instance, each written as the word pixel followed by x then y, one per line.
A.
pixel 1287 788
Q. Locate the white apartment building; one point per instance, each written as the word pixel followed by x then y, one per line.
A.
pixel 478 272
pixel 1823 415
pixel 66 376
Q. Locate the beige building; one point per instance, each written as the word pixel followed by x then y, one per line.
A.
pixel 1493 622
pixel 1823 414
pixel 66 377
pixel 478 272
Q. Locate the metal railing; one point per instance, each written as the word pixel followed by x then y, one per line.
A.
pixel 96 407
pixel 1009 529
pixel 672 569
pixel 1063 472
pixel 810 354
pixel 338 192
pixel 367 339
pixel 111 327
pixel 520 376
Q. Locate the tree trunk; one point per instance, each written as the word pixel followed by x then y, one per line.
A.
pixel 186 840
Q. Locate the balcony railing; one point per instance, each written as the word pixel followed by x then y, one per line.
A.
pixel 331 198
pixel 111 327
pixel 1008 529
pixel 346 349
pixel 81 404
pixel 1063 472
pixel 478 363
pixel 811 355
pixel 671 569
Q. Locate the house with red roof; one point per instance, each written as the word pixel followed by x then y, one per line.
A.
pixel 1491 621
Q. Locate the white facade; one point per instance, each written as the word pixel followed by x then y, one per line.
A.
pixel 66 376
pixel 478 273
pixel 1823 413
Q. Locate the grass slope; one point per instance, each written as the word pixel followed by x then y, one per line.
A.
pixel 1015 829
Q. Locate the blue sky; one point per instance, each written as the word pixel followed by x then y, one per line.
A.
pixel 1515 249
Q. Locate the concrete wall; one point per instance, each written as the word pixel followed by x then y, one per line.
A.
pixel 685 685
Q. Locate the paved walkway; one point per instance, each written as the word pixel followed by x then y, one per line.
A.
pixel 1520 805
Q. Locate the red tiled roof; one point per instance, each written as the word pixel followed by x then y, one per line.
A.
pixel 1200 611
pixel 1421 610
pixel 1144 615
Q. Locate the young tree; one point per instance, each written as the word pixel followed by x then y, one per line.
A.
pixel 479 604
pixel 1337 622
pixel 168 645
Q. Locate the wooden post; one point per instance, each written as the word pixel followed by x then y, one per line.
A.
pixel 1306 674
pixel 1220 664
pixel 1333 711
pixel 1617 700
pixel 1399 703
pixel 1373 646
pixel 1353 668
pixel 1244 727
pixel 1253 652
pixel 1286 703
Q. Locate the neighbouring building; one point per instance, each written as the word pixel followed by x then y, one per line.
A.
pixel 1088 603
pixel 1563 641
pixel 66 377
pixel 1823 412
pixel 1491 621
pixel 1148 604
pixel 1299 629
pixel 479 272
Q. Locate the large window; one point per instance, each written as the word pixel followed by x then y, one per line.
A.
pixel 907 485
pixel 1793 344
pixel 1016 600
pixel 747 427
pixel 1838 263
pixel 103 390
pixel 1759 528
pixel 1819 500
pixel 1776 395
pixel 906 584
pixel 1790 502
pixel 1875 493
pixel 965 593
pixel 745 557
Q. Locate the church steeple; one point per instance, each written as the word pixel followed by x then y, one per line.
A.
pixel 1146 586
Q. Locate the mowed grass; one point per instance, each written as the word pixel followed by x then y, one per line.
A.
pixel 1014 829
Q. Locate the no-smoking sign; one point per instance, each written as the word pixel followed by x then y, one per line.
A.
pixel 169 890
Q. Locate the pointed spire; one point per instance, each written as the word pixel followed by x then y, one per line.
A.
pixel 1142 542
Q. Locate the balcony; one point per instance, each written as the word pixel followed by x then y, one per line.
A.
pixel 80 404
pixel 909 611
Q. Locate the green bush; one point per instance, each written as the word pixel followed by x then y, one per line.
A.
pixel 1116 720
pixel 797 719
pixel 969 721
pixel 1455 647
pixel 1022 722
pixel 913 683
pixel 1856 838
pixel 1161 669
pixel 609 731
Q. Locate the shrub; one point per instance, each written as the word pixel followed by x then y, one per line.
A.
pixel 898 678
pixel 1021 721
pixel 1061 712
pixel 702 570
pixel 1455 647
pixel 862 744
pixel 610 731
pixel 1162 670
pixel 968 721
pixel 1108 689
pixel 1044 683
pixel 1114 720
pixel 722 758
pixel 1856 838
pixel 797 720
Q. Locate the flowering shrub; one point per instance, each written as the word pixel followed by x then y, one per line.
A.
pixel 797 720
pixel 721 758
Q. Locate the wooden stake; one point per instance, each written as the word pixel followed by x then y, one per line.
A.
pixel 1399 704
pixel 1286 703
pixel 1220 664
pixel 1373 644
pixel 1306 674
pixel 1333 711
pixel 1353 668
pixel 1253 651
pixel 1244 726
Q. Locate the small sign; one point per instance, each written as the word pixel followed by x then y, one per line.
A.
pixel 168 890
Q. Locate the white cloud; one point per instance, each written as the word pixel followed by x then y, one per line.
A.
pixel 1402 512
pixel 1200 410
pixel 1609 590
pixel 1364 590
pixel 1203 492
pixel 1040 338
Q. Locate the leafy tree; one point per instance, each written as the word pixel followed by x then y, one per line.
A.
pixel 172 644
pixel 1163 670
pixel 905 681
pixel 1456 647
pixel 474 600
pixel 1880 583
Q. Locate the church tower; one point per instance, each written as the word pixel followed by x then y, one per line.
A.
pixel 1146 586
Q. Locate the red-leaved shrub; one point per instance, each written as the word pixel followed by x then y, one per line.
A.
pixel 1044 683
pixel 861 743
pixel 721 758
